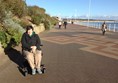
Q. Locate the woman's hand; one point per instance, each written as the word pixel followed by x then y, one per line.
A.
pixel 33 48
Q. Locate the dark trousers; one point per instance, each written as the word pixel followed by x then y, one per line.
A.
pixel 59 26
pixel 103 32
pixel 65 26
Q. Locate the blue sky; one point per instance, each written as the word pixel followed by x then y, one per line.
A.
pixel 69 8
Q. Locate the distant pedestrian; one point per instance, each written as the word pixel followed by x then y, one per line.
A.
pixel 65 24
pixel 104 28
pixel 72 22
pixel 60 24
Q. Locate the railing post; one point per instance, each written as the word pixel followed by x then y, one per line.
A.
pixel 114 27
pixel 99 26
pixel 109 26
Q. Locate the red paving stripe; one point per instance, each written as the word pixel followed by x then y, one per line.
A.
pixel 106 52
pixel 115 46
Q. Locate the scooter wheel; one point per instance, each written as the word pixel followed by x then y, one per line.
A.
pixel 43 70
pixel 26 73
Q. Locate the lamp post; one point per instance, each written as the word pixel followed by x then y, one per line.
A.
pixel 89 12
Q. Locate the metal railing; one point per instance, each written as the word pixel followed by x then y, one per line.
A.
pixel 110 26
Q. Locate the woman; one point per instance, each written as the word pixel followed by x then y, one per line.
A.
pixel 31 49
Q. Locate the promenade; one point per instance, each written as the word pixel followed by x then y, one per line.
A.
pixel 77 54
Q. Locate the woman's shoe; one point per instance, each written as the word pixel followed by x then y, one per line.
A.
pixel 39 71
pixel 33 71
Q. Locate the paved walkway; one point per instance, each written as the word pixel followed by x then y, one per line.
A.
pixel 74 55
pixel 92 40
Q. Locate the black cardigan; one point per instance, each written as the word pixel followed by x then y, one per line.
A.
pixel 28 41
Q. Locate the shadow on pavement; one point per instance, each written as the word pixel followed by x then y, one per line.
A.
pixel 92 33
pixel 14 55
